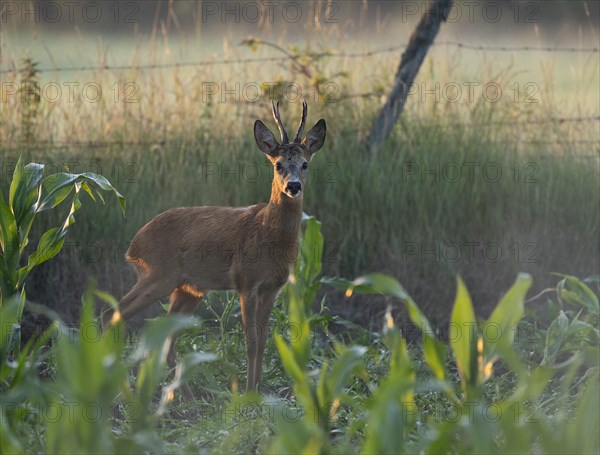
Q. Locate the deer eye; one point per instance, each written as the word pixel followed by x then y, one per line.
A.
pixel 305 165
pixel 278 166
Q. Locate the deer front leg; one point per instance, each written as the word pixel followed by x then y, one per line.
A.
pixel 248 302
pixel 263 314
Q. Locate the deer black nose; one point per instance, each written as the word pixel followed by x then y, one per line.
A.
pixel 294 187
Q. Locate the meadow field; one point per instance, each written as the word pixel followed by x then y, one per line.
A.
pixel 492 171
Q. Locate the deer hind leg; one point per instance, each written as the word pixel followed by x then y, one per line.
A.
pixel 147 290
pixel 184 300
pixel 248 303
pixel 266 299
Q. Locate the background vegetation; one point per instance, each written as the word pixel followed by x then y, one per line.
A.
pixel 484 189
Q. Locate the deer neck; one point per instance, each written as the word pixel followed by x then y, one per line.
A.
pixel 284 212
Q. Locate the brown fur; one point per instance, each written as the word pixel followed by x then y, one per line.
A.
pixel 188 251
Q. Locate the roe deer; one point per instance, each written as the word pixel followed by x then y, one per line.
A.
pixel 188 251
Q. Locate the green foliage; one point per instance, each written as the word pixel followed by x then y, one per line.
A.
pixel 320 397
pixel 464 342
pixel 392 421
pixel 114 399
pixel 575 292
pixel 392 415
pixel 30 194
pixel 505 317
pixel 309 264
pixel 476 347
pixel 23 395
pixel 376 283
pixel 576 325
pixel 92 385
pixel 89 375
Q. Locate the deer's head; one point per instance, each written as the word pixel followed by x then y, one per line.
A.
pixel 290 159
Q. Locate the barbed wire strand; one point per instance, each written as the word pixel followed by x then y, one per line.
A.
pixel 370 53
pixel 161 143
pixel 553 120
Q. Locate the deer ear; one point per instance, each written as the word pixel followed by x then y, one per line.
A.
pixel 316 137
pixel 264 139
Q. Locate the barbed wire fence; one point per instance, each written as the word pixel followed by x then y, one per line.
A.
pixel 332 55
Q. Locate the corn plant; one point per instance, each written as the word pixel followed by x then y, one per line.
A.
pixel 309 263
pixel 93 371
pixel 23 394
pixel 320 393
pixel 475 350
pixel 92 405
pixel 391 419
pixel 30 194
pixel 576 325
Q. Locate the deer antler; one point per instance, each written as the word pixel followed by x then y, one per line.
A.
pixel 298 137
pixel 276 116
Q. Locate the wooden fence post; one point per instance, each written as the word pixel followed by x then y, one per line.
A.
pixel 410 62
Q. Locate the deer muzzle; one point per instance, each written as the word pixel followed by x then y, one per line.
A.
pixel 293 188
